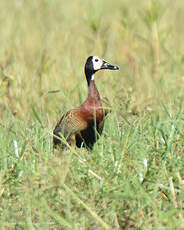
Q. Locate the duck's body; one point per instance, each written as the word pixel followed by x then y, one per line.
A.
pixel 85 123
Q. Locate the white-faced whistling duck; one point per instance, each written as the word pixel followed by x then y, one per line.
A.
pixel 80 124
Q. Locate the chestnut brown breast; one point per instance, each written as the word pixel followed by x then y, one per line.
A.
pixel 83 122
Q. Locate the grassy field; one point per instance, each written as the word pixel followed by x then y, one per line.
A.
pixel 134 176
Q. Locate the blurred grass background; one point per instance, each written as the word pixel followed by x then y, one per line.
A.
pixel 44 45
pixel 133 177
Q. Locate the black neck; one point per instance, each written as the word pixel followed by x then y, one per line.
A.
pixel 89 73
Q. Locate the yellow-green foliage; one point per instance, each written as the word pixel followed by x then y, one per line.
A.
pixel 44 45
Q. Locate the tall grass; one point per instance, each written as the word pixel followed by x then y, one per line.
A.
pixel 133 178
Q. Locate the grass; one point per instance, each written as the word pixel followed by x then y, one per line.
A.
pixel 133 178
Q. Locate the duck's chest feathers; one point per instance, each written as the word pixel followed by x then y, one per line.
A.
pixel 92 110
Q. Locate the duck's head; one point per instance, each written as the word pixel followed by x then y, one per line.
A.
pixel 93 64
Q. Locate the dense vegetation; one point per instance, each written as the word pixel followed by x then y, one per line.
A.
pixel 133 178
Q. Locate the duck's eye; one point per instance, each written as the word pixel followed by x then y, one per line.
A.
pixel 96 60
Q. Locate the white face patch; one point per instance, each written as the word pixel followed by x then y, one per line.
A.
pixel 93 77
pixel 97 63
